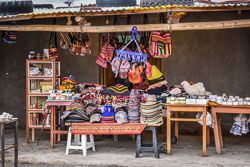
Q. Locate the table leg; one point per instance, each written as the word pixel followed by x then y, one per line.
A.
pixel 16 143
pixel 168 131
pixel 2 143
pixel 208 135
pixel 204 133
pixel 52 127
pixel 176 125
pixel 219 129
pixel 216 131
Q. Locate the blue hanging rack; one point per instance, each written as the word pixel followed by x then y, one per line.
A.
pixel 128 55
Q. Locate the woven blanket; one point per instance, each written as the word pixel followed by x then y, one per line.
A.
pixel 107 128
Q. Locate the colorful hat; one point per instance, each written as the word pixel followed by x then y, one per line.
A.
pixel 70 80
pixel 135 75
pixel 156 73
pixel 149 70
pixel 117 90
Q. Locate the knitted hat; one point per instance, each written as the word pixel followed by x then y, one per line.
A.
pixel 95 118
pixel 121 117
pixel 156 73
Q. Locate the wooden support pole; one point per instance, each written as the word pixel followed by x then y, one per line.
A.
pixel 127 28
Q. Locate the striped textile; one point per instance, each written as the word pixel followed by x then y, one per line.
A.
pixel 117 90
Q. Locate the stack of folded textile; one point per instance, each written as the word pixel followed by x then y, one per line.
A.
pixel 157 81
pixel 134 106
pixel 75 113
pixel 108 115
pixel 151 111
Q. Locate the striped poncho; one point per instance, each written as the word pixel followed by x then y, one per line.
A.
pixel 117 90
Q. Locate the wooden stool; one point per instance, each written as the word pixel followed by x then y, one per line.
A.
pixel 140 147
pixel 84 144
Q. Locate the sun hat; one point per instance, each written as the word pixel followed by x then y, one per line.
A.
pixel 156 73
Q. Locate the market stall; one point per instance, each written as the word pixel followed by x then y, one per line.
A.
pixel 141 90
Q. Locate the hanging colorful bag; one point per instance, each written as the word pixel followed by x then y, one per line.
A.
pixel 53 51
pixel 101 61
pixel 109 52
pixel 160 46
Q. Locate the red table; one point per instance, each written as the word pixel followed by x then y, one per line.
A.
pixel 53 131
pixel 107 128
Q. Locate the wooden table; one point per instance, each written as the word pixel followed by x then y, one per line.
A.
pixel 53 130
pixel 3 123
pixel 185 108
pixel 216 110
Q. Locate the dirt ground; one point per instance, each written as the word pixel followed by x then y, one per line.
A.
pixel 187 152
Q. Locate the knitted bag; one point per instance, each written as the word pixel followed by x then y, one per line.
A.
pixel 160 46
pixel 101 62
pixel 53 52
pixel 109 52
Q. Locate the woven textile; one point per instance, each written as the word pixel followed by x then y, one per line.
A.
pixel 107 128
pixel 117 90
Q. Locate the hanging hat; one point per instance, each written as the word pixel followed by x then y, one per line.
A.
pixel 149 70
pixel 156 73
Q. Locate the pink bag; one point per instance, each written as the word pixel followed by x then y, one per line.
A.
pixel 101 62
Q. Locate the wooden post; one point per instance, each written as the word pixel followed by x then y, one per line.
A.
pixel 204 132
pixel 168 131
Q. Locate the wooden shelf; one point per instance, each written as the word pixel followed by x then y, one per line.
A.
pixel 38 127
pixel 40 77
pixel 38 94
pixel 35 110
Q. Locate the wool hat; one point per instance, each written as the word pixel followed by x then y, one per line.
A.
pixel 121 117
pixel 156 73
pixel 95 118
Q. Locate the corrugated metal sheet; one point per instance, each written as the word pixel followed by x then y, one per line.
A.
pixel 110 9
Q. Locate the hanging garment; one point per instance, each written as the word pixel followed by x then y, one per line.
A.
pixel 124 68
pixel 240 125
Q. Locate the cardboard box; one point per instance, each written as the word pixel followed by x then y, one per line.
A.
pixel 191 101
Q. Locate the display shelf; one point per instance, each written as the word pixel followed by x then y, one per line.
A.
pixel 39 127
pixel 41 77
pixel 36 110
pixel 38 94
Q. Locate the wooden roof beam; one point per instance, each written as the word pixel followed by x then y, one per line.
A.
pixel 127 28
